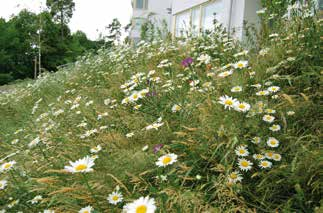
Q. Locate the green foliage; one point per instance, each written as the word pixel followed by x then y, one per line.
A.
pixel 91 96
pixel 62 11
pixel 19 45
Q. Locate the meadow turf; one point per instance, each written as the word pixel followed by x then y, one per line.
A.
pixel 129 108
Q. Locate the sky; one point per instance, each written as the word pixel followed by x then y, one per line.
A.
pixel 90 16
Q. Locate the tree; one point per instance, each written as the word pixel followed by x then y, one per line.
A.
pixel 62 11
pixel 19 45
pixel 114 32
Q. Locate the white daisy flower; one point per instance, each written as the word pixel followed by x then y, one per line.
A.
pixel 275 96
pixel 135 96
pixel 241 107
pixel 130 134
pixel 176 108
pixel 258 156
pixel 3 184
pixel 272 142
pixel 154 126
pixel 268 118
pixel 136 107
pixel 166 160
pixel 273 89
pixel 87 209
pixel 235 177
pixel 265 164
pixel 256 140
pixel 270 111
pixel 269 155
pixel 227 101
pixel 82 165
pixel 49 211
pixel 276 157
pixel 262 93
pixel 141 205
pixel 34 142
pixel 7 166
pixel 145 148
pixel 241 64
pixel 236 89
pixel 245 164
pixel 290 113
pixel 204 58
pixel 256 86
pixel 36 199
pixel 126 100
pixel 225 73
pixel 242 151
pixel 275 127
pixel 96 149
pixel 115 198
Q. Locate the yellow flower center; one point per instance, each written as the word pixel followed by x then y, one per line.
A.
pixel 7 166
pixel 270 154
pixel 166 160
pixel 228 102
pixel 233 176
pixel 86 211
pixel 244 163
pixel 240 65
pixel 241 151
pixel 135 96
pixel 242 106
pixel 141 209
pixel 115 198
pixel 272 142
pixel 81 167
pixel 264 164
pixel 1 185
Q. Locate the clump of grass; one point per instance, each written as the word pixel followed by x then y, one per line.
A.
pixel 178 121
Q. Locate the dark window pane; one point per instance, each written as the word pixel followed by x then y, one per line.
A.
pixel 140 4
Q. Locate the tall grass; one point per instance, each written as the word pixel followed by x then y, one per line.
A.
pixel 84 106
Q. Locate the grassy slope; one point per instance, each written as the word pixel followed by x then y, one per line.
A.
pixel 203 134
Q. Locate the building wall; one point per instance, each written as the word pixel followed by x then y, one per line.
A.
pixel 157 12
pixel 233 14
pixel 250 15
pixel 181 5
pixel 237 16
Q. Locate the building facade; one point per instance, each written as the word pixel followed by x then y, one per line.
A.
pixel 194 16
pixel 157 11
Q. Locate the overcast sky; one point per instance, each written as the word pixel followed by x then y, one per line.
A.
pixel 90 16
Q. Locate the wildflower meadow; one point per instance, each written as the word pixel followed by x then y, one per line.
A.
pixel 195 124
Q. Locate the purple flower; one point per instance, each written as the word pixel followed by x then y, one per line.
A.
pixel 158 147
pixel 187 61
pixel 149 94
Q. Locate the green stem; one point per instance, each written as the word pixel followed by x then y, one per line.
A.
pixel 86 181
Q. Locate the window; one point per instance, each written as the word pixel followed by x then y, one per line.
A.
pixel 182 23
pixel 141 4
pixel 199 18
pixel 211 11
pixel 196 20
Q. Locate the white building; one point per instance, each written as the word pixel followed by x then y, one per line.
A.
pixel 158 11
pixel 194 15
